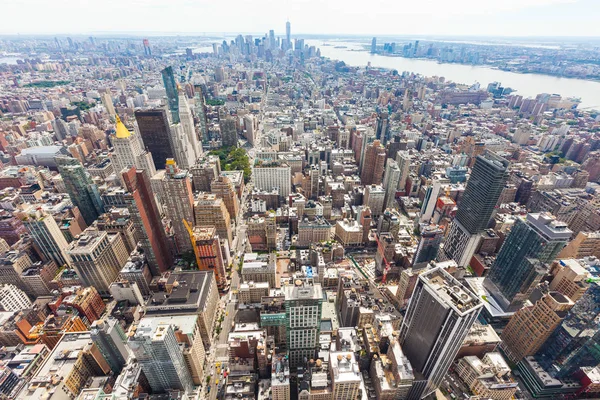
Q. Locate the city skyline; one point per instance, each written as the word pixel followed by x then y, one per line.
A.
pixel 539 18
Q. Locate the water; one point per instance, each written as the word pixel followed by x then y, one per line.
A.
pixel 9 60
pixel 527 85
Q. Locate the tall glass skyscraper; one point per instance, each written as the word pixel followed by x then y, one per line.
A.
pixel 490 173
pixel 80 187
pixel 156 135
pixel 533 241
pixel 172 94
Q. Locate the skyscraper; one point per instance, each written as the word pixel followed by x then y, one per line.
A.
pixel 530 326
pixel 476 207
pixel 80 187
pixel 187 123
pixel 383 127
pixel 373 164
pixel 429 244
pixel 129 151
pixel 111 341
pixel 178 202
pixel 47 235
pixel 208 252
pixel 155 346
pixel 224 189
pixel 439 316
pixel 228 132
pixel 209 210
pixel 146 219
pixel 156 134
pixel 172 93
pixel 391 178
pixel 98 256
pixel 536 239
pixel 288 34
pixel 303 302
pixel 374 45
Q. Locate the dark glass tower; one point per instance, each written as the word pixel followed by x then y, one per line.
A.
pixel 172 93
pixel 535 240
pixel 156 135
pixel 80 187
pixel 487 180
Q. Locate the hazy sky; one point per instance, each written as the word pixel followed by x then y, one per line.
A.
pixel 382 17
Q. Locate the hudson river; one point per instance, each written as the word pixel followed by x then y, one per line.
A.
pixel 527 85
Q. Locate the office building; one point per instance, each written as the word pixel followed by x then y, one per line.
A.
pixel 208 252
pixel 47 235
pixel 490 377
pixel 154 345
pixel 391 179
pixel 38 276
pixel 12 266
pixel 224 189
pixel 178 200
pixel 98 257
pixel 429 244
pixel 187 294
pixel 73 361
pixel 585 244
pixel 136 270
pixel 537 237
pixel 372 166
pixel 107 102
pixel 12 298
pixel 374 45
pixel 189 128
pixel 374 198
pixel 129 151
pixel 280 379
pixel 262 232
pixel 273 176
pixel 154 128
pixel 81 189
pixel 438 301
pixel 530 327
pixel 257 268
pixel 11 228
pixel 147 221
pixel 391 373
pixel 111 340
pixel 303 302
pixel 229 137
pixel 209 210
pixel 483 189
pixel 172 93
pixel 345 375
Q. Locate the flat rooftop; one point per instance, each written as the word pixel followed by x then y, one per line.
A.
pixel 188 295
pixel 451 291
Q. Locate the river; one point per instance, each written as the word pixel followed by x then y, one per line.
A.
pixel 527 85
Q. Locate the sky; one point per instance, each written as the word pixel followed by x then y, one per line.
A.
pixel 358 17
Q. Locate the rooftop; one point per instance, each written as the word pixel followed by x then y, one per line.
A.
pixel 182 293
pixel 451 291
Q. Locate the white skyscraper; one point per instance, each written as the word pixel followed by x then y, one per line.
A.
pixel 183 149
pixel 270 176
pixel 187 122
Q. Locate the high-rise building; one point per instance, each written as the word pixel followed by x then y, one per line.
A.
pixel 47 235
pixel 391 179
pixel 303 302
pixel 13 299
pixel 229 137
pixel 374 45
pixel 98 256
pixel 154 344
pixel 429 244
pixel 484 187
pixel 224 189
pixel 149 230
pixel 13 265
pixel 288 34
pixel 11 228
pixel 129 151
pixel 208 252
pixel 178 201
pixel 156 134
pixel 585 244
pixel 383 127
pixel 439 316
pixel 80 187
pixel 172 93
pixel 189 128
pixel 373 164
pixel 211 211
pixel 538 237
pixel 269 176
pixel 111 341
pixel 108 104
pixel 530 326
